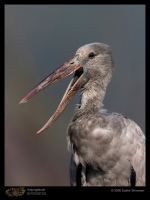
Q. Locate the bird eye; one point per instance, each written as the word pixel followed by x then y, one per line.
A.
pixel 91 55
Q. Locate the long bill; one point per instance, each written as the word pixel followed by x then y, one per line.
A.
pixel 70 92
pixel 61 72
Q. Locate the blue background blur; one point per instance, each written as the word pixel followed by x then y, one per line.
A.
pixel 38 39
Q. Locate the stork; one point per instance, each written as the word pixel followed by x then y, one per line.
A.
pixel 107 149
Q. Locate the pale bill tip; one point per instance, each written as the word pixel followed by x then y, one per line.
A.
pixel 23 101
pixel 39 131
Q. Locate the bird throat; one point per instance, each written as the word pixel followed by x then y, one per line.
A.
pixel 91 98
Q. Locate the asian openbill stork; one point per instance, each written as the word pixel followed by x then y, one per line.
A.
pixel 107 149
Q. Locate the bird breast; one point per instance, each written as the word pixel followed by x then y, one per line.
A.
pixel 91 141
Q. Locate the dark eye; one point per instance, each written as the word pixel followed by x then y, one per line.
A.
pixel 91 55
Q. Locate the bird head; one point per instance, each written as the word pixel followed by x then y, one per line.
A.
pixel 90 61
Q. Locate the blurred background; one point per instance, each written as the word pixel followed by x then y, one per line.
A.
pixel 38 39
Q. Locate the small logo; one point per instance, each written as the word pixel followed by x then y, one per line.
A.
pixel 15 192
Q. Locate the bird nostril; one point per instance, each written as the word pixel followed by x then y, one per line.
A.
pixel 72 62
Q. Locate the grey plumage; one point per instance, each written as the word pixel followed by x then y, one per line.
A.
pixel 107 149
pixel 108 143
